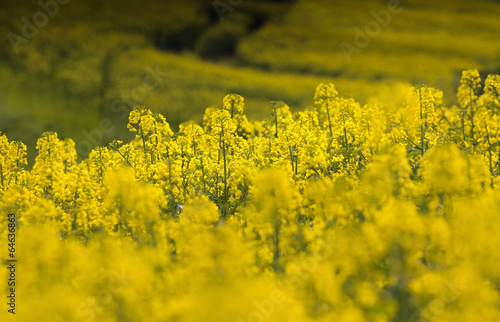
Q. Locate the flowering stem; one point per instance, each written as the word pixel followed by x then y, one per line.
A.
pixel 422 128
pixel 124 158
pixel 345 138
pixel 203 176
pixel 225 170
pixel 291 156
pixel 489 153
pixel 463 125
pixel 472 119
pixel 144 144
pixel 224 159
pixel 329 119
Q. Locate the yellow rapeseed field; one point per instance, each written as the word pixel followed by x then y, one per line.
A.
pixel 340 212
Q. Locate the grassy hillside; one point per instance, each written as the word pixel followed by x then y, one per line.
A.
pixel 427 41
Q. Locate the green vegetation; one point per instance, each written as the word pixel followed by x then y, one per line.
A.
pixel 427 41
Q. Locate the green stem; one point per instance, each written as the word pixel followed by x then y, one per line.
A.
pixel 144 144
pixel 291 156
pixel 203 176
pixel 345 138
pixel 472 119
pixel 124 158
pixel 225 171
pixel 489 152
pixel 223 147
pixel 422 128
pixel 296 164
pixel 463 125
pixel 329 119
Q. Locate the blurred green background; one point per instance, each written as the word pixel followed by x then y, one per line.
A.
pixel 91 60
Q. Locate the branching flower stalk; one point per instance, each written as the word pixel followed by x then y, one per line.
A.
pixel 325 94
